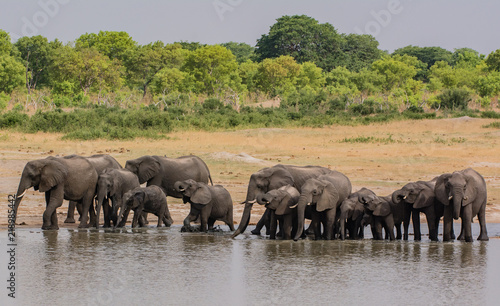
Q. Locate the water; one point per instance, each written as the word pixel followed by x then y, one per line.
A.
pixel 165 267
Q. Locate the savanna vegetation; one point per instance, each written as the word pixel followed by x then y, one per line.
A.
pixel 106 85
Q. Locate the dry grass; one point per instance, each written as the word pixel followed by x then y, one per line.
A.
pixel 387 156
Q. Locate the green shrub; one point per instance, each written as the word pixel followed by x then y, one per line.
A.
pixel 13 119
pixel 490 114
pixel 454 98
pixel 4 100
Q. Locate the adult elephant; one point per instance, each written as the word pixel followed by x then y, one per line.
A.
pixel 279 203
pixel 100 163
pixel 463 194
pixel 325 193
pixel 72 178
pixel 164 171
pixel 419 197
pixel 275 177
pixel 113 184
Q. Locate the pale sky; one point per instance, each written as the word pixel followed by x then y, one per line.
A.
pixel 394 23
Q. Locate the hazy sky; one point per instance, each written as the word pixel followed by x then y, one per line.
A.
pixel 394 23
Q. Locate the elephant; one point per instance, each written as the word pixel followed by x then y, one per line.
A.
pixel 210 203
pixel 150 199
pixel 382 213
pixel 351 216
pixel 270 178
pixel 279 203
pixel 113 184
pixel 419 197
pixel 100 162
pixel 325 193
pixel 72 178
pixel 463 194
pixel 164 172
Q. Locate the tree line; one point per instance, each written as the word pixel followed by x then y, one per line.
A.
pixel 310 67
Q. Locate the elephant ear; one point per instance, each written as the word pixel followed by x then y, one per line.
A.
pixel 383 209
pixel 285 202
pixel 52 174
pixel 202 195
pixel 425 198
pixel 329 198
pixel 440 188
pixel 279 177
pixel 139 198
pixel 359 210
pixel 470 193
pixel 148 168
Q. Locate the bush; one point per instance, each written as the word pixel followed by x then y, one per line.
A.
pixel 4 100
pixel 490 114
pixel 454 98
pixel 13 119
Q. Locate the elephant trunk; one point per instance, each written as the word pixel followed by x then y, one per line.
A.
pixel 250 200
pixel 301 211
pixel 343 219
pixel 101 195
pixel 398 196
pixel 457 204
pixel 24 185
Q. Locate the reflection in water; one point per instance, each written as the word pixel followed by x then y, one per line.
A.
pixel 164 266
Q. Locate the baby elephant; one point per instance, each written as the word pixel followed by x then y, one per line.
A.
pixel 146 199
pixel 210 203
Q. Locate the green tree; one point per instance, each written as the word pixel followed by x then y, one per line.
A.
pixel 493 61
pixel 110 43
pixel 427 55
pixel 146 61
pixel 190 46
pixel 466 58
pixel 5 44
pixel 360 51
pixel 277 76
pixel 87 68
pixel 304 39
pixel 214 69
pixel 395 70
pixel 242 51
pixel 248 71
pixel 11 74
pixel 310 75
pixel 36 52
pixel 170 80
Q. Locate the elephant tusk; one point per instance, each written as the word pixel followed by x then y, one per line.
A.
pixel 251 202
pixel 22 195
pixel 450 197
pixel 309 204
pixel 404 198
pixel 466 198
pixel 293 206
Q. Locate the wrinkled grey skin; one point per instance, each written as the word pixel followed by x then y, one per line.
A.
pixel 142 200
pixel 419 197
pixel 100 162
pixel 382 213
pixel 351 216
pixel 325 193
pixel 463 194
pixel 164 172
pixel 113 184
pixel 271 178
pixel 68 178
pixel 282 206
pixel 210 203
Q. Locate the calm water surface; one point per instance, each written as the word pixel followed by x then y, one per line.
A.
pixel 165 267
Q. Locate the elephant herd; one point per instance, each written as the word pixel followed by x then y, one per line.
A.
pixel 291 194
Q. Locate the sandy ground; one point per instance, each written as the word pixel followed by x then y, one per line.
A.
pixel 396 153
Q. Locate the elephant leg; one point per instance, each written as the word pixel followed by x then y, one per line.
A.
pixel 415 218
pixel 263 221
pixel 330 224
pixel 135 220
pixel 273 225
pixel 107 213
pixel 70 217
pixel 54 199
pixel 399 234
pixel 287 227
pixel 160 216
pixel 378 230
pixel 461 235
pixel 79 209
pixel 431 224
pixel 447 224
pixel 123 221
pixel 481 215
pixel 466 223
pixel 229 220
pixel 389 227
pixel 316 220
pixel 187 221
pixel 210 223
pixel 88 208
pixel 406 222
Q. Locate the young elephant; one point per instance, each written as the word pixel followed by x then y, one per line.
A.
pixel 210 203
pixel 383 213
pixel 282 206
pixel 351 215
pixel 146 199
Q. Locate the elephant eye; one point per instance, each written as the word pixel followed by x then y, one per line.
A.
pixel 315 192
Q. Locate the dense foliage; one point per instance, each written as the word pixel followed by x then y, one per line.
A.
pixel 106 85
